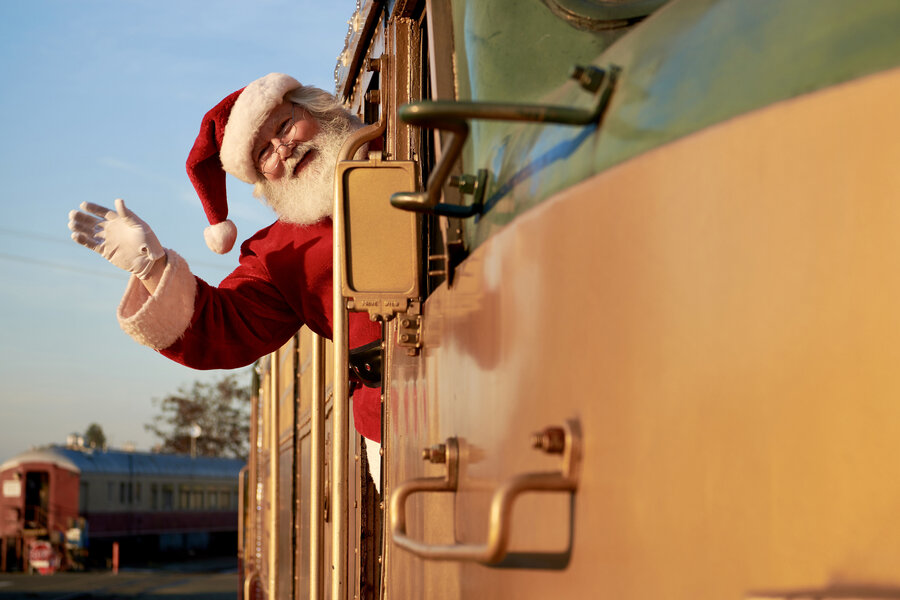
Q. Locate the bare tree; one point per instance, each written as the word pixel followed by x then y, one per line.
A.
pixel 218 414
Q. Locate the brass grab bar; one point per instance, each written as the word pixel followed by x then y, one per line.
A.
pixel 341 404
pixel 453 117
pixel 499 525
pixel 317 472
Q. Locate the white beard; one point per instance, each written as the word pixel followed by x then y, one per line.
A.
pixel 309 197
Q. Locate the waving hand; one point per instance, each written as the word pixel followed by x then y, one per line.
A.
pixel 120 236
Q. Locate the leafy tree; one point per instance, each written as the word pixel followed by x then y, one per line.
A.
pixel 221 411
pixel 94 436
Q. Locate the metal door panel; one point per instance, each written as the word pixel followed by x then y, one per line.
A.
pixel 720 316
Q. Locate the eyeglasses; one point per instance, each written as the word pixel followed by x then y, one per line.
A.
pixel 271 157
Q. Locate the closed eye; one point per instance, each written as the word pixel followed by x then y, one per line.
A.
pixel 285 127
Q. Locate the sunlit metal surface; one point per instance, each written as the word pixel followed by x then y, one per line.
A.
pixel 317 471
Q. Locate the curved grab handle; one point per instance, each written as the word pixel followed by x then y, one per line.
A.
pixel 495 549
pixel 428 201
pixel 453 117
pixel 249 580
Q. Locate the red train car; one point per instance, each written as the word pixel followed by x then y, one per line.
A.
pixel 81 501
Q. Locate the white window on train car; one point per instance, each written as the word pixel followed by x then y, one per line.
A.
pixel 168 496
pixel 154 496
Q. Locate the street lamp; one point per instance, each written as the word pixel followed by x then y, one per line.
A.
pixel 195 433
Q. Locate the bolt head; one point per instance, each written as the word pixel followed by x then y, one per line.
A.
pixel 435 454
pixel 551 440
pixel 589 77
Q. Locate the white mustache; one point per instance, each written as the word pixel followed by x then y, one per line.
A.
pixel 297 155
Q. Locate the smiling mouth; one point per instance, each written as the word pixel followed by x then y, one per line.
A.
pixel 307 158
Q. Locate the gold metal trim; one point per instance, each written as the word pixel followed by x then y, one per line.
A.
pixel 248 581
pixel 242 506
pixel 317 471
pixel 273 475
pixel 341 426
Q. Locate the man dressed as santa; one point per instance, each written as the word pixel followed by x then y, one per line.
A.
pixel 284 138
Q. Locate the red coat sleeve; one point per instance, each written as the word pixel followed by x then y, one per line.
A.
pixel 284 281
pixel 246 316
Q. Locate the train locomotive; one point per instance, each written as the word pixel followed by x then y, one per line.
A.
pixel 64 507
pixel 636 265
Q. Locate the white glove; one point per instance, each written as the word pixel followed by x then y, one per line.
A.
pixel 120 237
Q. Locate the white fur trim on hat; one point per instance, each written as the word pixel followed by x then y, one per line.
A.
pixel 220 237
pixel 250 110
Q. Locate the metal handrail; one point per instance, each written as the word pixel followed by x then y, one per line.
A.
pixel 274 459
pixel 341 338
pixel 500 519
pixel 453 117
pixel 242 522
pixel 317 472
pixel 248 582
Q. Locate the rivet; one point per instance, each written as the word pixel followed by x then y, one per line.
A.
pixel 589 77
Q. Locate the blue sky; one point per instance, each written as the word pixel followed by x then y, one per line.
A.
pixel 103 99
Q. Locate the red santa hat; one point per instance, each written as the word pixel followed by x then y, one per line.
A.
pixel 225 144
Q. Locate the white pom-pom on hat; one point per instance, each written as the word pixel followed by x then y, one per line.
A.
pixel 225 144
pixel 221 236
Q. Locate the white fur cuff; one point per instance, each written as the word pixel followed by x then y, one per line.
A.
pixel 159 320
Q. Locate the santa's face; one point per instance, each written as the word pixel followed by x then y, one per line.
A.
pixel 287 127
pixel 300 187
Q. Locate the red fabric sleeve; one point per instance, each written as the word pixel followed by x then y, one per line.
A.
pixel 284 281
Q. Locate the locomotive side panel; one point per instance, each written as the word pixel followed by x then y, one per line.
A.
pixel 728 363
pixel 709 319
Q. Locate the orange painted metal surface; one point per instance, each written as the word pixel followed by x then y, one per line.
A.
pixel 720 317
